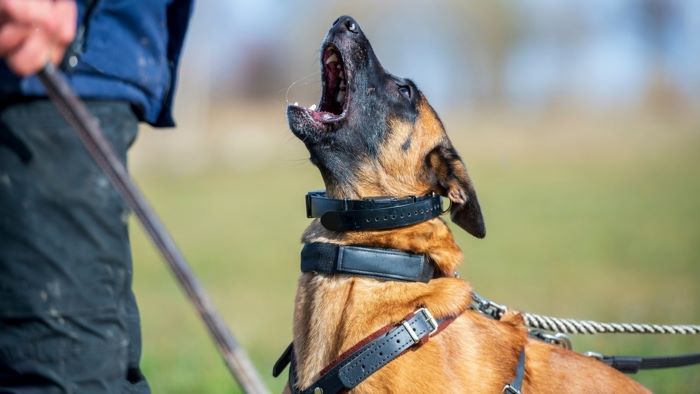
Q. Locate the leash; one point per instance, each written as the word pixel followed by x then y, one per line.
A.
pixel 560 327
pixel 574 326
pixel 89 131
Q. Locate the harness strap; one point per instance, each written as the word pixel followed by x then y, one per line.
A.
pixel 283 361
pixel 379 213
pixel 368 356
pixel 632 364
pixel 379 263
pixel 516 386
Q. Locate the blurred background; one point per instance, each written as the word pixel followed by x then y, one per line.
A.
pixel 579 122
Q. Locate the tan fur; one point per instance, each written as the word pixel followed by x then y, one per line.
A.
pixel 474 354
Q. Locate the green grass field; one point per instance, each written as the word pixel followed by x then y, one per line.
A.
pixel 598 221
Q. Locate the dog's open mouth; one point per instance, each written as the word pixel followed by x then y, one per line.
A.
pixel 334 93
pixel 335 82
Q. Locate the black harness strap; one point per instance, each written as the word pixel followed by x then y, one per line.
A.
pixel 391 264
pixel 371 356
pixel 516 386
pixel 632 364
pixel 379 213
pixel 283 361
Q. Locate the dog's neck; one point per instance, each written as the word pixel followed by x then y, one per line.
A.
pixel 334 313
pixel 432 238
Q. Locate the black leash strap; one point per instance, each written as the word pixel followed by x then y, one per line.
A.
pixel 92 136
pixel 378 213
pixel 632 364
pixel 379 263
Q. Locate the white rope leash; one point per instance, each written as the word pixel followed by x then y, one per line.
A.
pixel 573 326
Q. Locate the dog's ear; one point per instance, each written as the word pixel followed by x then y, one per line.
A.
pixel 449 177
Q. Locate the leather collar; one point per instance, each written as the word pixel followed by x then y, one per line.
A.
pixel 389 264
pixel 377 213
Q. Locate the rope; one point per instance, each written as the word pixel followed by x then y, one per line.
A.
pixel 572 326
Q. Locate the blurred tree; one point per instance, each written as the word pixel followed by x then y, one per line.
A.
pixel 658 19
pixel 491 25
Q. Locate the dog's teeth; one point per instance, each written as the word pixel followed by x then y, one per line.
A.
pixel 332 58
pixel 338 66
pixel 313 107
pixel 342 85
pixel 341 96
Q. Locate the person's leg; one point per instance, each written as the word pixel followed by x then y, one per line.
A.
pixel 68 319
pixel 135 381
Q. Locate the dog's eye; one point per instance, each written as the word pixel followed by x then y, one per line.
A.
pixel 405 91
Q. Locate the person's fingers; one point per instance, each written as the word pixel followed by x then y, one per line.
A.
pixel 32 55
pixel 33 32
pixel 11 37
pixel 66 14
pixel 56 53
pixel 28 12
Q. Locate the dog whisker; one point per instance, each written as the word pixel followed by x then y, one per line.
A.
pixel 298 81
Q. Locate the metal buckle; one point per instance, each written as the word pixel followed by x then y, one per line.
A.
pixel 508 389
pixel 595 355
pixel 411 332
pixel 429 317
pixel 558 338
pixel 449 206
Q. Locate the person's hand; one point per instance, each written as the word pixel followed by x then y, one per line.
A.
pixel 34 32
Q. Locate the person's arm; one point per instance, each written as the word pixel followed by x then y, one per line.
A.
pixel 34 32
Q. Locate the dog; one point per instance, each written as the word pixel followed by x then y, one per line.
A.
pixel 375 134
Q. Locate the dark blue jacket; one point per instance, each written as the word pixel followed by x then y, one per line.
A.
pixel 126 50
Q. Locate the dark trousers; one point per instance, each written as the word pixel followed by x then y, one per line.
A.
pixel 68 317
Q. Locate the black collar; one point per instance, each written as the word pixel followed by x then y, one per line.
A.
pixel 377 213
pixel 388 264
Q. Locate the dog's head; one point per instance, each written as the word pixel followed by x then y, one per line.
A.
pixel 374 134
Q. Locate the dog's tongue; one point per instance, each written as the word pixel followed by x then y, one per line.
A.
pixel 335 86
pixel 321 115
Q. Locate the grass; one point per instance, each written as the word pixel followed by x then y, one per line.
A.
pixel 583 221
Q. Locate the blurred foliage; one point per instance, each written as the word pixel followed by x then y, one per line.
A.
pixel 525 54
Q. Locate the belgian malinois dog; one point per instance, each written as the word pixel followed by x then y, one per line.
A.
pixel 374 134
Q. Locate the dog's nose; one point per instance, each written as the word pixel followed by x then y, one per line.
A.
pixel 346 23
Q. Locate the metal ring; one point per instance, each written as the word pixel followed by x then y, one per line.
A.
pixel 448 207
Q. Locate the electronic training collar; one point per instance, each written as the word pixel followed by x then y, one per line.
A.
pixel 374 213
